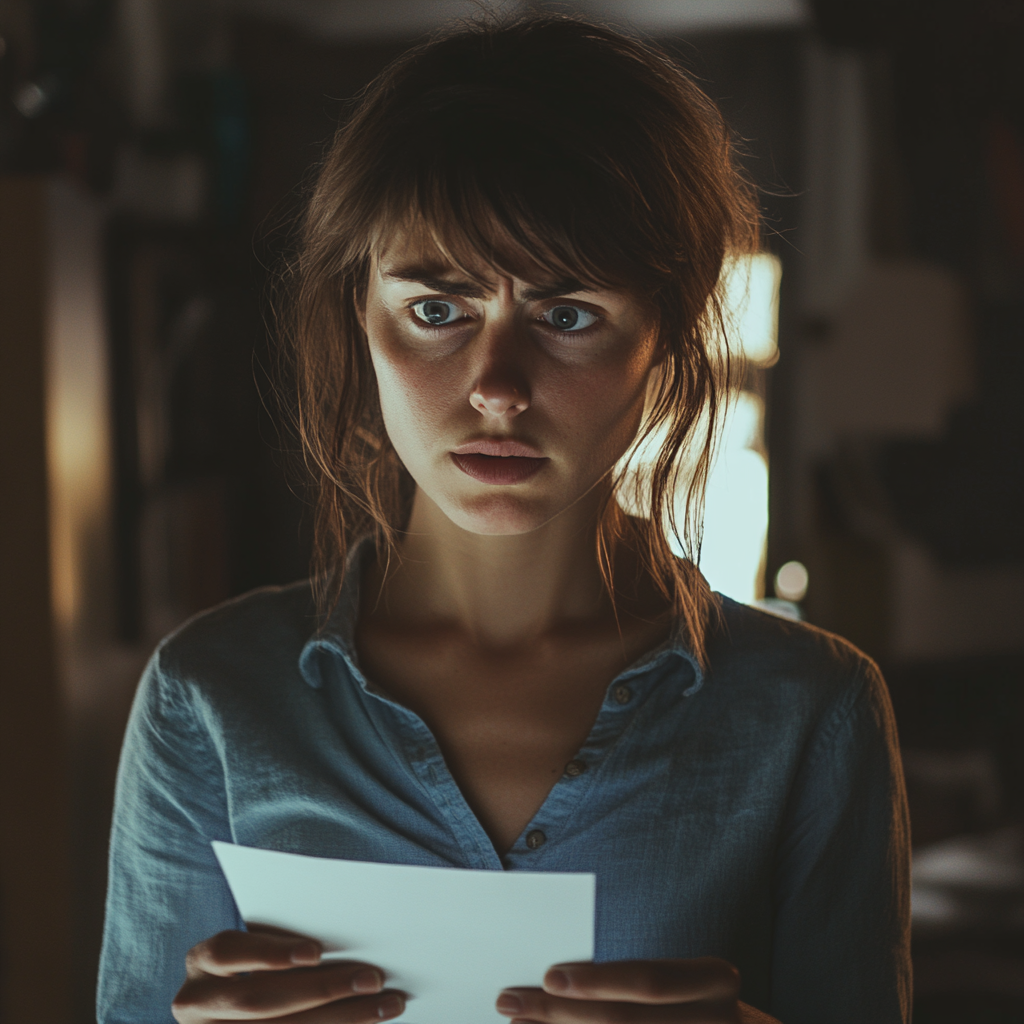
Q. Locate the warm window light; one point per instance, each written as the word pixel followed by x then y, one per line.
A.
pixel 736 506
pixel 791 582
pixel 750 287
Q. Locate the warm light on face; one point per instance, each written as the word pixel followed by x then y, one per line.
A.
pixel 550 376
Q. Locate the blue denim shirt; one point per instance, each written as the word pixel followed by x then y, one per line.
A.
pixel 754 811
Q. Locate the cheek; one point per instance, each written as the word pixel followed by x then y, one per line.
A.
pixel 415 396
pixel 601 409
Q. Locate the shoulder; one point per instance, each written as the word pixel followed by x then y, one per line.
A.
pixel 263 630
pixel 746 633
pixel 790 663
pixel 235 663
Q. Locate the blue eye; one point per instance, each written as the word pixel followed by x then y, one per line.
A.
pixel 437 313
pixel 569 318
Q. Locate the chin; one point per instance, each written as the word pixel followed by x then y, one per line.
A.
pixel 498 515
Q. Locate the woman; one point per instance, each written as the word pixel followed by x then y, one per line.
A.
pixel 506 288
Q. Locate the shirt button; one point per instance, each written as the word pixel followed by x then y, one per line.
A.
pixel 575 767
pixel 535 839
pixel 622 693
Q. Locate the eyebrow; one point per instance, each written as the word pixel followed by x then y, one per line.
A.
pixel 471 290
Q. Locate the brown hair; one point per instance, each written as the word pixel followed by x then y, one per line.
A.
pixel 543 144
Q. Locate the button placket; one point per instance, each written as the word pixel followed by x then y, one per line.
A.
pixel 423 755
pixel 566 798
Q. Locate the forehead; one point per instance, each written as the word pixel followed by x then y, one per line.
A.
pixel 482 249
pixel 410 258
pixel 415 250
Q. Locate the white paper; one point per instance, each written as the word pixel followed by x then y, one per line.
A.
pixel 450 938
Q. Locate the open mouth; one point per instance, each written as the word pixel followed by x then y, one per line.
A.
pixel 497 469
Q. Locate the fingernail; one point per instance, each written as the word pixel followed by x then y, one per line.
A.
pixel 508 1003
pixel 367 980
pixel 556 981
pixel 308 953
pixel 390 1007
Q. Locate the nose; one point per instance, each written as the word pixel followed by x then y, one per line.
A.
pixel 499 399
pixel 501 388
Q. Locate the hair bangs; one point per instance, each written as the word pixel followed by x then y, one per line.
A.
pixel 476 218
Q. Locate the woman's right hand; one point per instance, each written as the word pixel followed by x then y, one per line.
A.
pixel 266 974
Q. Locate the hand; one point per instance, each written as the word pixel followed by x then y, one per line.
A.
pixel 703 991
pixel 267 974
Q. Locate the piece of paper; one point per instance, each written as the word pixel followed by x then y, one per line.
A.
pixel 450 938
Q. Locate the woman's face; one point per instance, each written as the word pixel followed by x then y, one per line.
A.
pixel 506 402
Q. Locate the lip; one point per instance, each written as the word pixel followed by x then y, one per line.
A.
pixel 498 461
pixel 498 447
pixel 498 469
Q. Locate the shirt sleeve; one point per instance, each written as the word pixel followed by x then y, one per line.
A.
pixel 166 891
pixel 842 880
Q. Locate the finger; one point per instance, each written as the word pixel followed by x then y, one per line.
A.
pixel 351 1011
pixel 646 981
pixel 366 1010
pixel 270 994
pixel 535 1006
pixel 232 952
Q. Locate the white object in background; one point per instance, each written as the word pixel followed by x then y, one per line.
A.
pixel 992 860
pixel 780 607
pixel 791 582
pixel 449 937
pixel 970 880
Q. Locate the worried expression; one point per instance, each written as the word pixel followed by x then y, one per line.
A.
pixel 506 400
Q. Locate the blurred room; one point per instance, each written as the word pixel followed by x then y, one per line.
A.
pixel 153 157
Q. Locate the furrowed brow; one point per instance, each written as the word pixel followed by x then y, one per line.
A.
pixel 472 290
pixel 566 287
pixel 468 289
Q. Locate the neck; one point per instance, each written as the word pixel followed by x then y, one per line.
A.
pixel 500 590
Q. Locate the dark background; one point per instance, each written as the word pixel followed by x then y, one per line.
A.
pixel 153 158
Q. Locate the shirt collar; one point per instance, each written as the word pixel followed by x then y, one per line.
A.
pixel 337 634
pixel 675 645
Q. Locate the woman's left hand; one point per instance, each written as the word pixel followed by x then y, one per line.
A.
pixel 703 991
